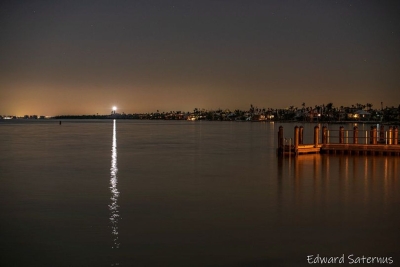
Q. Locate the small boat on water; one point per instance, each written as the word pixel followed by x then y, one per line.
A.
pixel 258 118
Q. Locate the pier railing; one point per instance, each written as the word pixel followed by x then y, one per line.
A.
pixel 358 139
pixel 355 136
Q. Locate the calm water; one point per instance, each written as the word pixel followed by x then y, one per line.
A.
pixel 144 193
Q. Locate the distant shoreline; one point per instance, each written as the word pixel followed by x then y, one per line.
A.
pixel 106 117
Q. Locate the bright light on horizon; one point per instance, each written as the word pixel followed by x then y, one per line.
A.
pixel 114 108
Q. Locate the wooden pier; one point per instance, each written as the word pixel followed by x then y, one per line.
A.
pixel 372 143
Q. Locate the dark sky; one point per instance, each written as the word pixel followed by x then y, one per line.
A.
pixel 83 57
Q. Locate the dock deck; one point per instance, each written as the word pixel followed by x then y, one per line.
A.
pixel 357 149
pixel 384 144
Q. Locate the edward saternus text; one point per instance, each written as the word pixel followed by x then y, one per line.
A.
pixel 349 259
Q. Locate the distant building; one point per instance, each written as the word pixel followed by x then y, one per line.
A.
pixel 358 115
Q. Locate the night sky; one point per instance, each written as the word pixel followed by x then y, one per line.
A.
pixel 83 57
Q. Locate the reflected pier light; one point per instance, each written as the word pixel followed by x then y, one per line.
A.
pixel 113 207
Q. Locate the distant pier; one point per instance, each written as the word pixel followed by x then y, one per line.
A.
pixel 349 142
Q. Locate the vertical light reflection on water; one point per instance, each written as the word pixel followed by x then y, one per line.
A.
pixel 366 180
pixel 395 168
pixel 296 180
pixel 359 183
pixel 315 179
pixel 114 214
pixel 327 173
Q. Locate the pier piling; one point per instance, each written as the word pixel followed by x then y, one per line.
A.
pixel 373 135
pixel 355 135
pixel 382 134
pixel 341 135
pixel 316 135
pixel 296 140
pixel 301 129
pixel 324 135
pixel 390 136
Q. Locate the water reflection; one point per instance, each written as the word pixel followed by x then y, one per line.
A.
pixel 324 178
pixel 114 214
